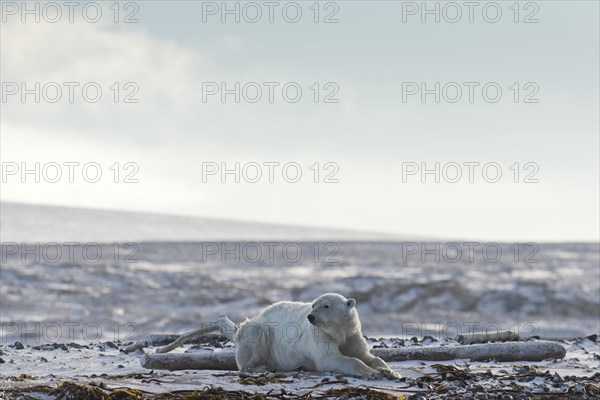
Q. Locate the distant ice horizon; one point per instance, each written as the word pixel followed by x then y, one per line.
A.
pixel 32 222
pixel 28 222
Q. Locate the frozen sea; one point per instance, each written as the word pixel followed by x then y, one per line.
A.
pixel 80 285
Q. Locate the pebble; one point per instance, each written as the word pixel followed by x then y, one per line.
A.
pixel 428 340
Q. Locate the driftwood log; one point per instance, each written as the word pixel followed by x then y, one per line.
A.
pixel 517 351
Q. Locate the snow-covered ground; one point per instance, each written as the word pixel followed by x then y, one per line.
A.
pixel 105 365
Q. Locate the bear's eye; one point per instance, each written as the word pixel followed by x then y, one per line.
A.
pixel 325 306
pixel 313 306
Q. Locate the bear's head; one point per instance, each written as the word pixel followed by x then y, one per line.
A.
pixel 332 309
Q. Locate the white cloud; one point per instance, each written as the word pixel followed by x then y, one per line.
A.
pixel 369 133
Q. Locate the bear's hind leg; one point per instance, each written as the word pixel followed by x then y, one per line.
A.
pixel 247 357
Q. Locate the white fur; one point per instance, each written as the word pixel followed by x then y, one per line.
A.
pixel 281 338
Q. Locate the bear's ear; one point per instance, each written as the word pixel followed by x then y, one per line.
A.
pixel 350 303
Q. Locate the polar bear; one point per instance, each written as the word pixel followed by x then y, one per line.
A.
pixel 324 335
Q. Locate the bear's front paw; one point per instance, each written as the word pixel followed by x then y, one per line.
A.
pixel 388 373
pixel 373 376
pixel 370 374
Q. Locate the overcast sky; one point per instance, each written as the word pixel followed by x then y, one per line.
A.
pixel 372 62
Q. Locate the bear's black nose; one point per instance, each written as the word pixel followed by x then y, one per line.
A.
pixel 311 318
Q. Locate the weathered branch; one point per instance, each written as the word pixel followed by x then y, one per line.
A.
pixel 162 340
pixel 224 325
pixel 518 351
